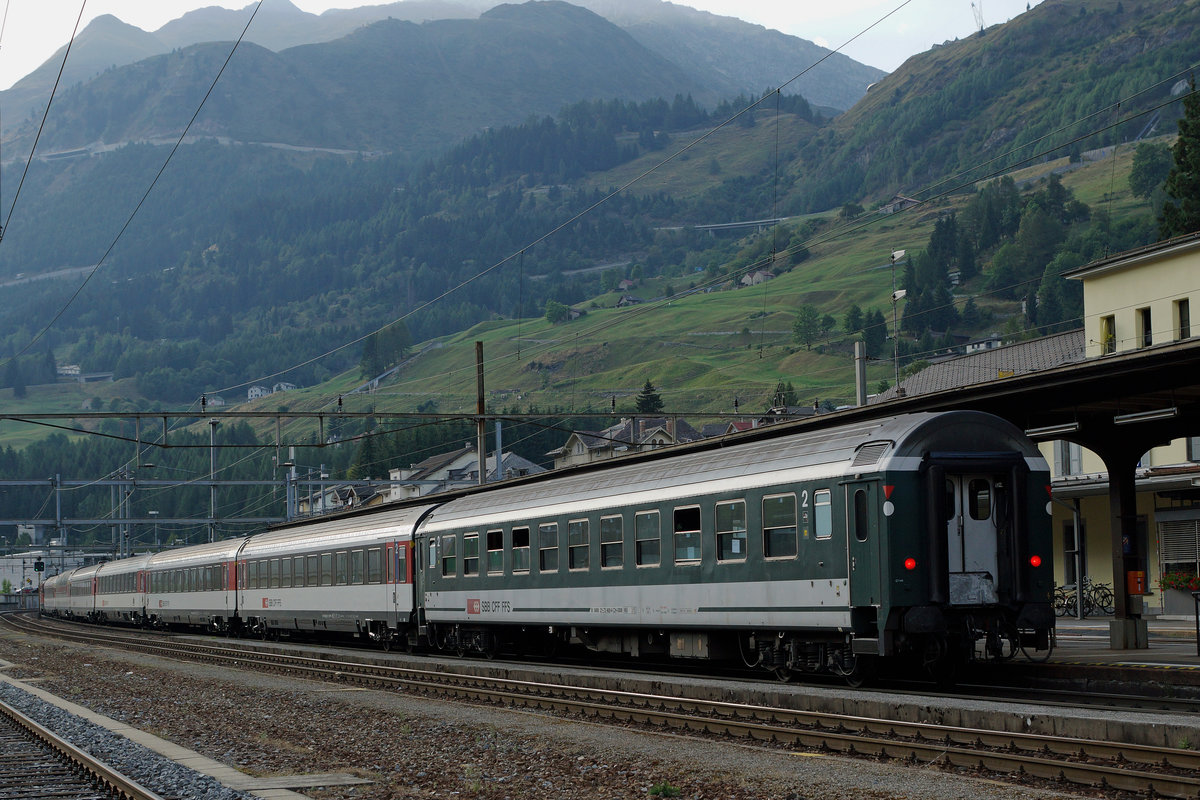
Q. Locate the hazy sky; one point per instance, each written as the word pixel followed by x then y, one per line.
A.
pixel 34 29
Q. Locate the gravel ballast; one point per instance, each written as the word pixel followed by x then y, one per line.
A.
pixel 415 747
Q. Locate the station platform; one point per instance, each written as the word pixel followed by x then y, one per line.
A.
pixel 1172 643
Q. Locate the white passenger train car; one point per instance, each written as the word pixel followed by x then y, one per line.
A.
pixel 347 575
pixel 121 590
pixel 56 594
pixel 194 586
pixel 82 600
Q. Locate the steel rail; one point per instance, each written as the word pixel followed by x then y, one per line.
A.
pixel 1019 755
pixel 109 780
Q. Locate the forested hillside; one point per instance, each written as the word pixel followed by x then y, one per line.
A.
pixel 1048 83
pixel 253 261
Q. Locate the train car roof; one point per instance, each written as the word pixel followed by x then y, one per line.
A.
pixel 861 447
pixel 197 554
pixel 61 577
pixel 340 533
pixel 84 573
pixel 131 564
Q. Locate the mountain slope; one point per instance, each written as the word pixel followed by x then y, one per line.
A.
pixel 990 99
pixel 105 43
pixel 392 86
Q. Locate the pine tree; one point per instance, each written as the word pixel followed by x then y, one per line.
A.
pixel 1182 214
pixel 648 400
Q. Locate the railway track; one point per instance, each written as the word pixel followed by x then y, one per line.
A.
pixel 34 762
pixel 1069 761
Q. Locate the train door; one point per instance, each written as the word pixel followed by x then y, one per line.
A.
pixel 974 510
pixel 863 542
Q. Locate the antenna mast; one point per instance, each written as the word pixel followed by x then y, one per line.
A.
pixel 977 7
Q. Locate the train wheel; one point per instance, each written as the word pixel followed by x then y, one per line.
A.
pixel 783 673
pixel 863 673
pixel 1002 642
pixel 1035 655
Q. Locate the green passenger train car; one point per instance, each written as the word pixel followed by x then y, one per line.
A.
pixel 922 536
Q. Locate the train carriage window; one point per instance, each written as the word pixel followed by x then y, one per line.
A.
pixel 327 569
pixel 470 554
pixel 375 565
pixel 979 495
pixel 862 519
pixel 520 549
pixel 779 526
pixel 432 553
pixel 401 563
pixel 612 541
pixel 686 527
pixel 647 532
pixel 548 547
pixel 495 552
pixel 356 567
pixel 275 569
pixel 312 566
pixel 823 513
pixel 449 559
pixel 298 571
pixel 731 531
pixel 578 535
pixel 341 571
pixel 285 573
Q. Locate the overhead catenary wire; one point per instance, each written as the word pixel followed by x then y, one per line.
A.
pixel 41 125
pixel 129 220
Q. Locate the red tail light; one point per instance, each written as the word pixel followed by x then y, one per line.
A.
pixel 1035 561
pixel 910 563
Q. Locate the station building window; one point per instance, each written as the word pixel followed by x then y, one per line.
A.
pixel 731 531
pixel 520 549
pixel 578 544
pixel 1179 545
pixel 1108 335
pixel 1068 458
pixel 1183 319
pixel 548 547
pixel 612 541
pixel 779 526
pixel 686 530
pixel 1145 328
